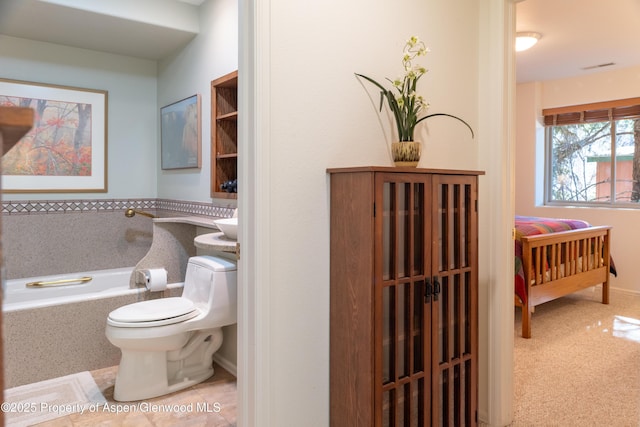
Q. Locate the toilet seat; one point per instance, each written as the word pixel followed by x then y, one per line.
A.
pixel 157 312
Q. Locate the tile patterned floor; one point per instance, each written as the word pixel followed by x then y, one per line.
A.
pixel 211 403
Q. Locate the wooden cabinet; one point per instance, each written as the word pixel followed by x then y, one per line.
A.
pixel 404 297
pixel 224 134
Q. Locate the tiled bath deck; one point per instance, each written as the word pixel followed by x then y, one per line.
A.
pixel 211 403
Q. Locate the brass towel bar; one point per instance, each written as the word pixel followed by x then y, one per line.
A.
pixel 61 282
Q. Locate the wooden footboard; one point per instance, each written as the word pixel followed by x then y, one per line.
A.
pixel 558 264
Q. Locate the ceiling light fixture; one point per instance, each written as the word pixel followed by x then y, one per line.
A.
pixel 526 40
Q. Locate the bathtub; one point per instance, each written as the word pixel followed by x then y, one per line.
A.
pixel 104 284
pixel 54 331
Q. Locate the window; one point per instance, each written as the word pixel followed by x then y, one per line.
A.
pixel 593 154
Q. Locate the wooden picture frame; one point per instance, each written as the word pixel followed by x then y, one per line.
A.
pixel 66 149
pixel 180 134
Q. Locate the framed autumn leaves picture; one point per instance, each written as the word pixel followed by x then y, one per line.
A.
pixel 66 149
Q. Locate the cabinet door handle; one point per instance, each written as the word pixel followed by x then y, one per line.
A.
pixel 436 288
pixel 427 291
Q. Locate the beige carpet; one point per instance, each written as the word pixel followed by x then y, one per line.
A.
pixel 582 365
pixel 29 404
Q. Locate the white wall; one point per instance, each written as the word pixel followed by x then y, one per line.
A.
pixel 531 99
pixel 132 107
pixel 211 54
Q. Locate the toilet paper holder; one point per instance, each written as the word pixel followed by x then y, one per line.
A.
pixel 143 277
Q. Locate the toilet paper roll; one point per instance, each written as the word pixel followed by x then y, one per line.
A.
pixel 156 279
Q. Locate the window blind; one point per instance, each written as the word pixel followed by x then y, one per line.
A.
pixel 595 112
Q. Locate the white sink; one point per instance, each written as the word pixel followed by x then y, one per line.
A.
pixel 229 226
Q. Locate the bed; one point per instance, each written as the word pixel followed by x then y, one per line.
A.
pixel 556 257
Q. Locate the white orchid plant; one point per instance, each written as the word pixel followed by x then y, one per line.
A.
pixel 405 104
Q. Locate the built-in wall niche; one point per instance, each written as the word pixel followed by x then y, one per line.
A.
pixel 224 136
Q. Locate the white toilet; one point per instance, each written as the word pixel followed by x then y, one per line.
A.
pixel 167 344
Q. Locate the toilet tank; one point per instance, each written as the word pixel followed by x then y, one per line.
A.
pixel 211 283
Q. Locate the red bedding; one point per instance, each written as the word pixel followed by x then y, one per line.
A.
pixel 529 226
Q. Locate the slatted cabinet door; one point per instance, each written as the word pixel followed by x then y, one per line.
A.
pixel 403 333
pixel 403 330
pixel 454 308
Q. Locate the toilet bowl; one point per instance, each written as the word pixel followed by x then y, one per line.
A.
pixel 167 344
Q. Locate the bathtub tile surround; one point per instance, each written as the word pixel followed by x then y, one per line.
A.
pixel 50 342
pixel 49 244
pixel 171 248
pixel 83 235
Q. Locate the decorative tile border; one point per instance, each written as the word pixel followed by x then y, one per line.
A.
pixel 194 208
pixel 110 205
pixel 72 206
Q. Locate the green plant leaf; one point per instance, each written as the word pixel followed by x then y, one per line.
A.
pixel 447 115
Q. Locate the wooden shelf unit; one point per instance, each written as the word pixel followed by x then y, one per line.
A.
pixel 15 122
pixel 224 133
pixel 404 297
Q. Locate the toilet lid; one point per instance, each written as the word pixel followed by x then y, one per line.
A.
pixel 157 312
